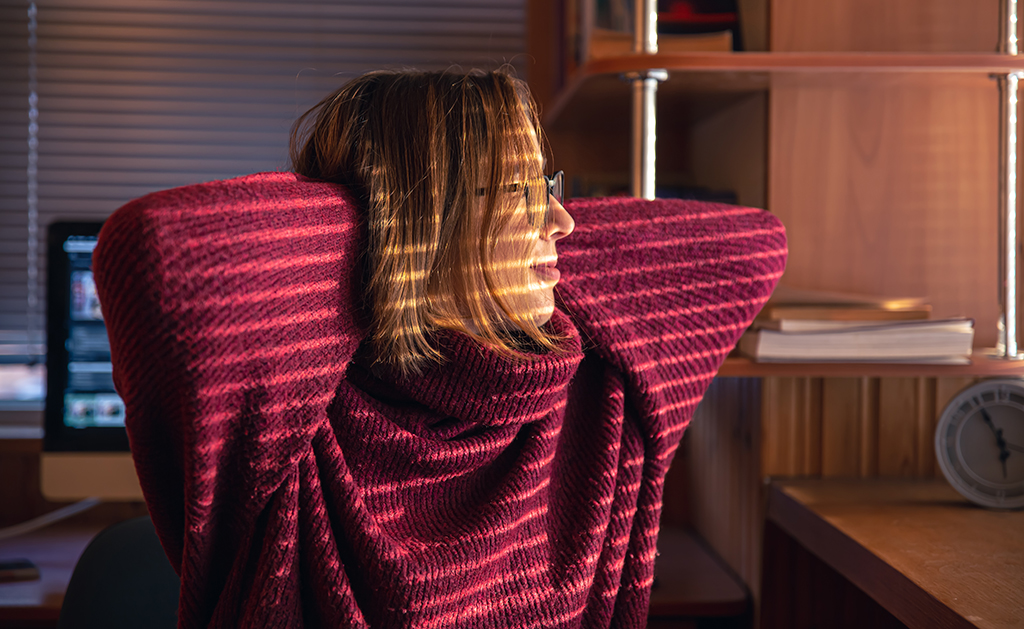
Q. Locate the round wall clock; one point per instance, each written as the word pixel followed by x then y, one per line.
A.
pixel 979 442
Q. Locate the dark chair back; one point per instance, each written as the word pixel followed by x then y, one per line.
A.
pixel 122 580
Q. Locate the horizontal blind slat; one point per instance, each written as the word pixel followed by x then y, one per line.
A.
pixel 140 95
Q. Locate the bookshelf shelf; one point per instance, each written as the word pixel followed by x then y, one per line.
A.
pixel 807 62
pixel 706 72
pixel 980 365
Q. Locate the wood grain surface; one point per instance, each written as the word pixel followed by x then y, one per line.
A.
pixel 885 25
pixel 891 190
pixel 918 548
pixel 723 475
pixel 55 550
pixel 853 427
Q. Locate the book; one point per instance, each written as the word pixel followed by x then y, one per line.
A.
pixel 839 313
pixel 818 325
pixel 943 341
pixel 605 43
pixel 791 304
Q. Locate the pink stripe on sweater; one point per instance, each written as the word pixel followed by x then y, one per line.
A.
pixel 471 565
pixel 676 291
pixel 682 382
pixel 671 219
pixel 294 290
pixel 278 351
pixel 267 235
pixel 676 265
pixel 469 592
pixel 272 323
pixel 287 261
pixel 678 312
pixel 674 243
pixel 715 353
pixel 641 341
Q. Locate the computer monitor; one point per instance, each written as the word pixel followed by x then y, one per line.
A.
pixel 85 446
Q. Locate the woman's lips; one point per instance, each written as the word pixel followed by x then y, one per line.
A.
pixel 547 272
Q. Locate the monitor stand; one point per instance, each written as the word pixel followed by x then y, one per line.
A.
pixel 76 475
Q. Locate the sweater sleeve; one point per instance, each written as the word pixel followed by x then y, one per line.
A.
pixel 663 290
pixel 231 316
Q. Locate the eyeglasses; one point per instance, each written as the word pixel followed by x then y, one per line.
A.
pixel 555 185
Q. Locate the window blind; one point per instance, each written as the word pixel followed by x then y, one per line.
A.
pixel 141 95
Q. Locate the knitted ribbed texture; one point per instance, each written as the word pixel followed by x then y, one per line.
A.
pixel 293 486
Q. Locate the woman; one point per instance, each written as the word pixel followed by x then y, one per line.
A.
pixel 445 249
pixel 365 395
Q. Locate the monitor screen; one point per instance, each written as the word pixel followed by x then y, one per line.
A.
pixel 85 446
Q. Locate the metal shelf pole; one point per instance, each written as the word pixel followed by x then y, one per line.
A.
pixel 644 93
pixel 1007 347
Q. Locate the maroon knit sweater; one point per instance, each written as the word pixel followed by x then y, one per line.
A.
pixel 292 487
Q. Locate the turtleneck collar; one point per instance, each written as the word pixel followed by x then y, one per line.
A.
pixel 476 384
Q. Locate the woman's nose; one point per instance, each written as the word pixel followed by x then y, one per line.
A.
pixel 560 223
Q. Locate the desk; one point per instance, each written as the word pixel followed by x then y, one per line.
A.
pixel 691 581
pixel 917 548
pixel 55 550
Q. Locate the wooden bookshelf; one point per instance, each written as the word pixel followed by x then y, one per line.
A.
pixel 871 128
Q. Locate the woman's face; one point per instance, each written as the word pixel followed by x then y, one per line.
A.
pixel 542 260
pixel 559 224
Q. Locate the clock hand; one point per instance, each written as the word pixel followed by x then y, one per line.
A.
pixel 1014 446
pixel 1004 453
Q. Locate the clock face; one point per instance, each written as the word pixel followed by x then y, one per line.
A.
pixel 979 442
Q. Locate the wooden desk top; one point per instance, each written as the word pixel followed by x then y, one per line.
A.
pixel 924 553
pixel 55 550
pixel 690 581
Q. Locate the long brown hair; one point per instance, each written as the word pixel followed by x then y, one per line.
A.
pixel 439 161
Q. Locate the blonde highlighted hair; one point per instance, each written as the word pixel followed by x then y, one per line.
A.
pixel 439 161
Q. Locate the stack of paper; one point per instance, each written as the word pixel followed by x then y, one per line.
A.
pixel 946 341
pixel 819 327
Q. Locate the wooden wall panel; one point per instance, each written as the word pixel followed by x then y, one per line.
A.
pixel 727 149
pixel 927 416
pixel 888 185
pixel 897 427
pixel 885 189
pixel 853 427
pixel 885 25
pixel 841 427
pixel 20 497
pixel 724 476
pixel 791 429
pixel 868 401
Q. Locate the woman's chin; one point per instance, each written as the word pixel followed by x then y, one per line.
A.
pixel 544 308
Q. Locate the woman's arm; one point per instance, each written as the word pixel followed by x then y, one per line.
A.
pixel 663 290
pixel 232 314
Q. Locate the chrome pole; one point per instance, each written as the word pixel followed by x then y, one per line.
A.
pixel 1007 347
pixel 1008 29
pixel 644 93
